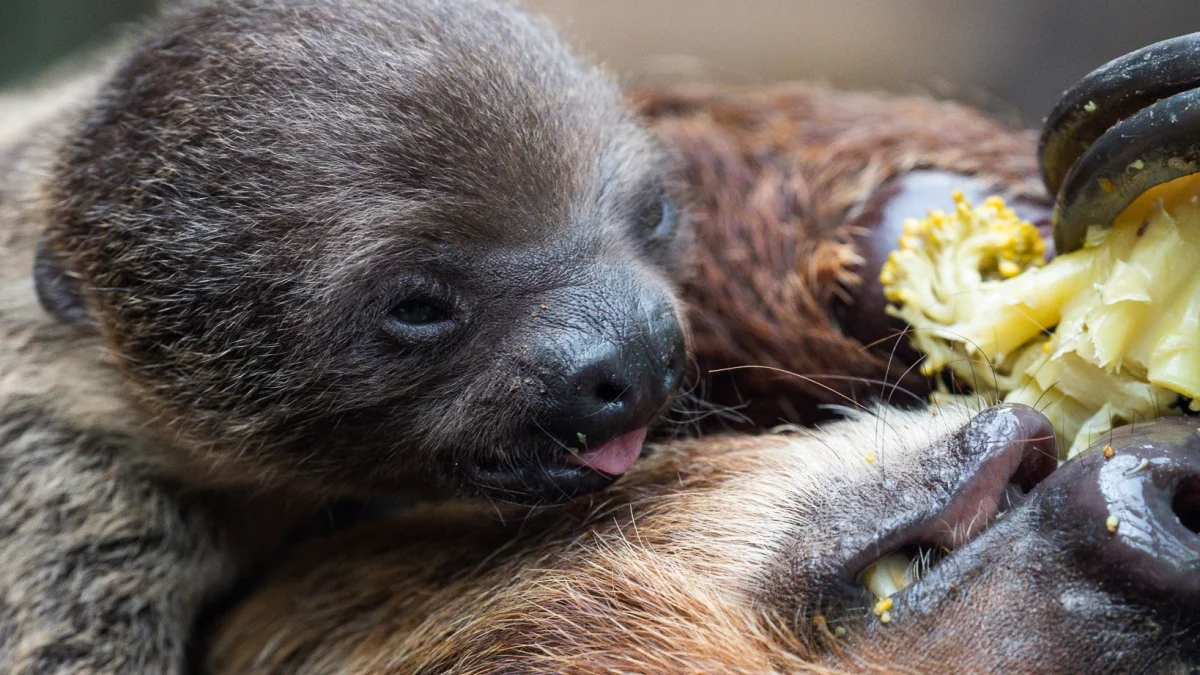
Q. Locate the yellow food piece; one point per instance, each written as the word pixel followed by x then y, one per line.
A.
pixel 882 606
pixel 1100 337
pixel 1112 524
pixel 887 577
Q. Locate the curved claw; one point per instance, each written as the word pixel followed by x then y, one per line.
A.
pixel 1110 94
pixel 1153 146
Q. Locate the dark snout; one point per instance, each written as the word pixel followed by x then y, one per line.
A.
pixel 612 373
pixel 1092 568
pixel 605 358
pixel 615 381
pixel 1133 512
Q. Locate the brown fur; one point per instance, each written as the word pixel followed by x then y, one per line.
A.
pixel 782 176
pixel 714 556
pixel 659 575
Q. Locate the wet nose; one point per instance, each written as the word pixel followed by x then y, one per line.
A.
pixel 1132 504
pixel 618 385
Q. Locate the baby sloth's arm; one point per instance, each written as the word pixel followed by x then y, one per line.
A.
pixel 101 572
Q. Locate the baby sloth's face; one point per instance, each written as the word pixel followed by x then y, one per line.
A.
pixel 381 245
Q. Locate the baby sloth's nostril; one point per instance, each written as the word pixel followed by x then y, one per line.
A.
pixel 609 383
pixel 609 391
pixel 1186 504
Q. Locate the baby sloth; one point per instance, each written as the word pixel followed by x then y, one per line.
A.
pixel 283 251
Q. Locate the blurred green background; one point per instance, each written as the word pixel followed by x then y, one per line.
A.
pixel 1012 57
pixel 36 33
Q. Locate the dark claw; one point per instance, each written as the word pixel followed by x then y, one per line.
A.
pixel 1155 145
pixel 1111 93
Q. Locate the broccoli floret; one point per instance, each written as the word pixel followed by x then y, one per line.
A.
pixel 1099 337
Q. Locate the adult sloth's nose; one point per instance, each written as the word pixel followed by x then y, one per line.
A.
pixel 1132 505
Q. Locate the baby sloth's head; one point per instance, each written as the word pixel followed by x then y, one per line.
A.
pixel 378 244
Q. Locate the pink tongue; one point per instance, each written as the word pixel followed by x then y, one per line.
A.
pixel 614 457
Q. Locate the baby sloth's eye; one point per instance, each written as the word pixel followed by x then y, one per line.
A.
pixel 420 313
pixel 658 217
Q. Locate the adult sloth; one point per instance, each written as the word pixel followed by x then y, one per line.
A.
pixel 743 554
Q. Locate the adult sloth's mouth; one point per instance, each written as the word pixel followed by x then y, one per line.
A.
pixel 1010 451
pixel 1127 511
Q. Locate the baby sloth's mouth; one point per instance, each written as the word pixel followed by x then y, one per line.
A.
pixel 560 475
pixel 590 417
pixel 613 457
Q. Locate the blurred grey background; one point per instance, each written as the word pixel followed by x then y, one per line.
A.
pixel 1011 57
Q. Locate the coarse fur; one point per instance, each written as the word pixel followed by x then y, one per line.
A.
pixel 731 554
pixel 787 184
pixel 200 244
pixel 664 572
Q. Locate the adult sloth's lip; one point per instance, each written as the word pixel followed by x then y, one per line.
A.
pixel 1010 450
pixel 613 457
pixel 1126 513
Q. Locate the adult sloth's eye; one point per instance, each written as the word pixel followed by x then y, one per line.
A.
pixel 420 312
pixel 658 218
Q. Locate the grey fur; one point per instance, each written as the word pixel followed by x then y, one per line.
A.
pixel 229 207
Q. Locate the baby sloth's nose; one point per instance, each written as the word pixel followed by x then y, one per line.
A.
pixel 1132 504
pixel 617 383
pixel 622 382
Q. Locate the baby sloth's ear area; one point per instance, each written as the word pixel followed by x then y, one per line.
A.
pixel 58 290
